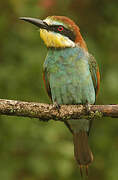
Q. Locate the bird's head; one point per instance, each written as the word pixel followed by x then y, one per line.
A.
pixel 58 31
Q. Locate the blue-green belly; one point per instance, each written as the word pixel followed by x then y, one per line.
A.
pixel 69 76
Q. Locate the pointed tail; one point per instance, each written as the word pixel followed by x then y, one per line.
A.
pixel 82 151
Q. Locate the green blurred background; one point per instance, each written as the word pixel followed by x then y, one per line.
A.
pixel 34 150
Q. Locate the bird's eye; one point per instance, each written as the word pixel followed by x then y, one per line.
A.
pixel 60 28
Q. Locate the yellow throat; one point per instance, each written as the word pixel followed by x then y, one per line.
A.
pixel 52 39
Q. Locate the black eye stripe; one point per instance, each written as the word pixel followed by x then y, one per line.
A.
pixel 66 32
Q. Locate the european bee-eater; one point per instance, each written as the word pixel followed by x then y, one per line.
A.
pixel 71 75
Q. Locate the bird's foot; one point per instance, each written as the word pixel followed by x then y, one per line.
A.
pixel 87 108
pixel 92 115
pixel 56 106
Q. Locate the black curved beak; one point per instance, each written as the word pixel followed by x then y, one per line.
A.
pixel 37 22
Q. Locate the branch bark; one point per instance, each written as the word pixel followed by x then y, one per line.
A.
pixel 46 112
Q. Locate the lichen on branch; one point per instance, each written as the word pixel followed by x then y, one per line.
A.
pixel 46 112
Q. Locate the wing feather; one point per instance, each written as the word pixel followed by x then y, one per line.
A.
pixel 46 83
pixel 94 69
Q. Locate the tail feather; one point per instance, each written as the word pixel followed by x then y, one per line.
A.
pixel 82 151
pixel 83 155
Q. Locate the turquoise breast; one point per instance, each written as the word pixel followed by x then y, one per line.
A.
pixel 69 76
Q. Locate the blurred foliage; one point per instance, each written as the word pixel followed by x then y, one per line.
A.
pixel 33 150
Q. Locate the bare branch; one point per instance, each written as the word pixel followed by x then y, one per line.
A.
pixel 47 112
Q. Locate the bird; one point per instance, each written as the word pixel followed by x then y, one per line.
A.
pixel 71 76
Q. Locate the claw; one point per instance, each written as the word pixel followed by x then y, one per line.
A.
pixel 87 108
pixel 56 106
